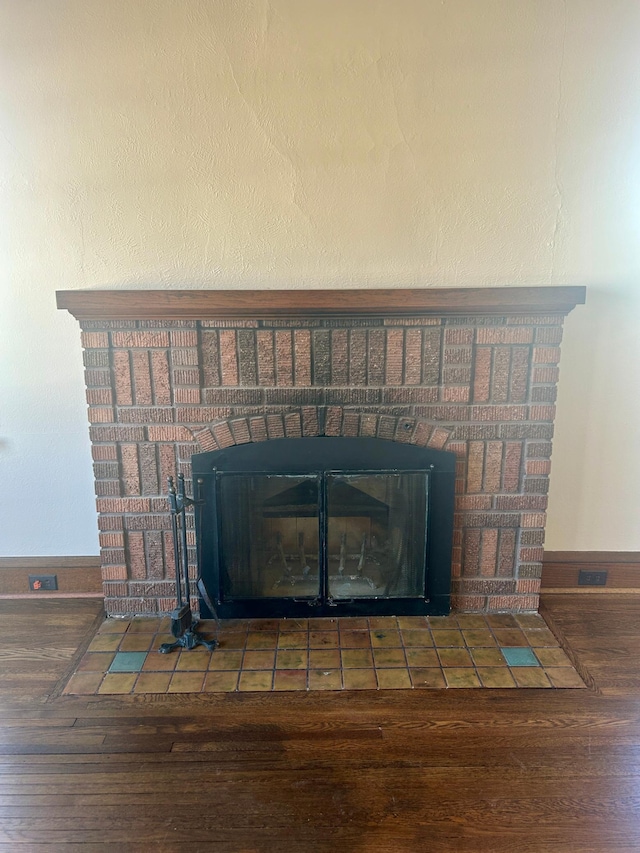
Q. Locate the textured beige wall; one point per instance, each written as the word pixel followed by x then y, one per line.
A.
pixel 324 143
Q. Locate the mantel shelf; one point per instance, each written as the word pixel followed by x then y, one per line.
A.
pixel 214 304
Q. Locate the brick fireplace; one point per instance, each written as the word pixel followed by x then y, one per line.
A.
pixel 473 371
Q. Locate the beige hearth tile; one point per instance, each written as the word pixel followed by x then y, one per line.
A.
pixel 96 662
pixel 356 658
pixel 501 620
pixel 291 659
pixel 383 623
pixel 487 657
pixel 448 638
pixel 253 625
pixel 323 640
pixel 427 678
pixel 422 657
pixel 413 638
pixel 118 682
pixel 146 625
pixel 325 679
pixel 540 638
pixel 355 640
pixel 259 681
pixel 444 623
pixel 389 658
pixel 220 682
pixel 293 640
pixel 105 643
pixel 495 676
pixel 461 678
pixel 530 620
pixel 359 679
pixel 393 679
pixel 324 623
pixel 221 660
pixel 287 625
pixel 114 626
pixel 259 660
pixel 262 640
pixel 136 642
pixel 324 659
pixel 186 682
pixel 471 622
pixel 413 623
pixel 152 682
pixel 479 639
pixel 290 679
pixel 156 662
pixel 530 676
pixel 84 683
pixel 454 657
pixel 195 660
pixel 235 640
pixel 385 639
pixel 509 637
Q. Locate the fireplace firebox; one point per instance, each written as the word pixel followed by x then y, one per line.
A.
pixel 325 525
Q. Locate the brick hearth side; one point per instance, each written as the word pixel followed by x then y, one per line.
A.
pixel 482 387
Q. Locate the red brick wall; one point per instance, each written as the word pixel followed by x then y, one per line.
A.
pixel 481 387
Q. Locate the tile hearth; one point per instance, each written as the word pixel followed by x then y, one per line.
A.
pixel 357 653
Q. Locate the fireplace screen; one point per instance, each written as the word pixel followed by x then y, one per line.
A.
pixel 274 532
pixel 273 542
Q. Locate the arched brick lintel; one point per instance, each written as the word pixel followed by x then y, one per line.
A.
pixel 311 421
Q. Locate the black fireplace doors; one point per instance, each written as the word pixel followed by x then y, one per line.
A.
pixel 325 526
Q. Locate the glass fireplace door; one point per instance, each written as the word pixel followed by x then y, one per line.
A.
pixel 270 536
pixel 323 538
pixel 325 526
pixel 376 535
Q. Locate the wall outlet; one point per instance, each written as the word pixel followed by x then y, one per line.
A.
pixel 38 583
pixel 586 578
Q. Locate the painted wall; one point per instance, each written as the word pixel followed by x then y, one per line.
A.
pixel 329 143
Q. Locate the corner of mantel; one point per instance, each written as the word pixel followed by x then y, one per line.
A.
pixel 218 304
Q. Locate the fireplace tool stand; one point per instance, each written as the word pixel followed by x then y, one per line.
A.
pixel 183 625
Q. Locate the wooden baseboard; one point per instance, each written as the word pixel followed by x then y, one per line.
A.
pixel 560 571
pixel 78 577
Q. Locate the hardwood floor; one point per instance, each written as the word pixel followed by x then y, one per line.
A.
pixel 496 771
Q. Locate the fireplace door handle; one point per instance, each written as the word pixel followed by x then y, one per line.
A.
pixel 312 602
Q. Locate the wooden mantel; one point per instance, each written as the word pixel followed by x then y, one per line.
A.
pixel 213 304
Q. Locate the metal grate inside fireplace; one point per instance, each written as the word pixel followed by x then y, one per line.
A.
pixel 325 526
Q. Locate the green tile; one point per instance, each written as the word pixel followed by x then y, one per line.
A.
pixel 519 656
pixel 128 662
